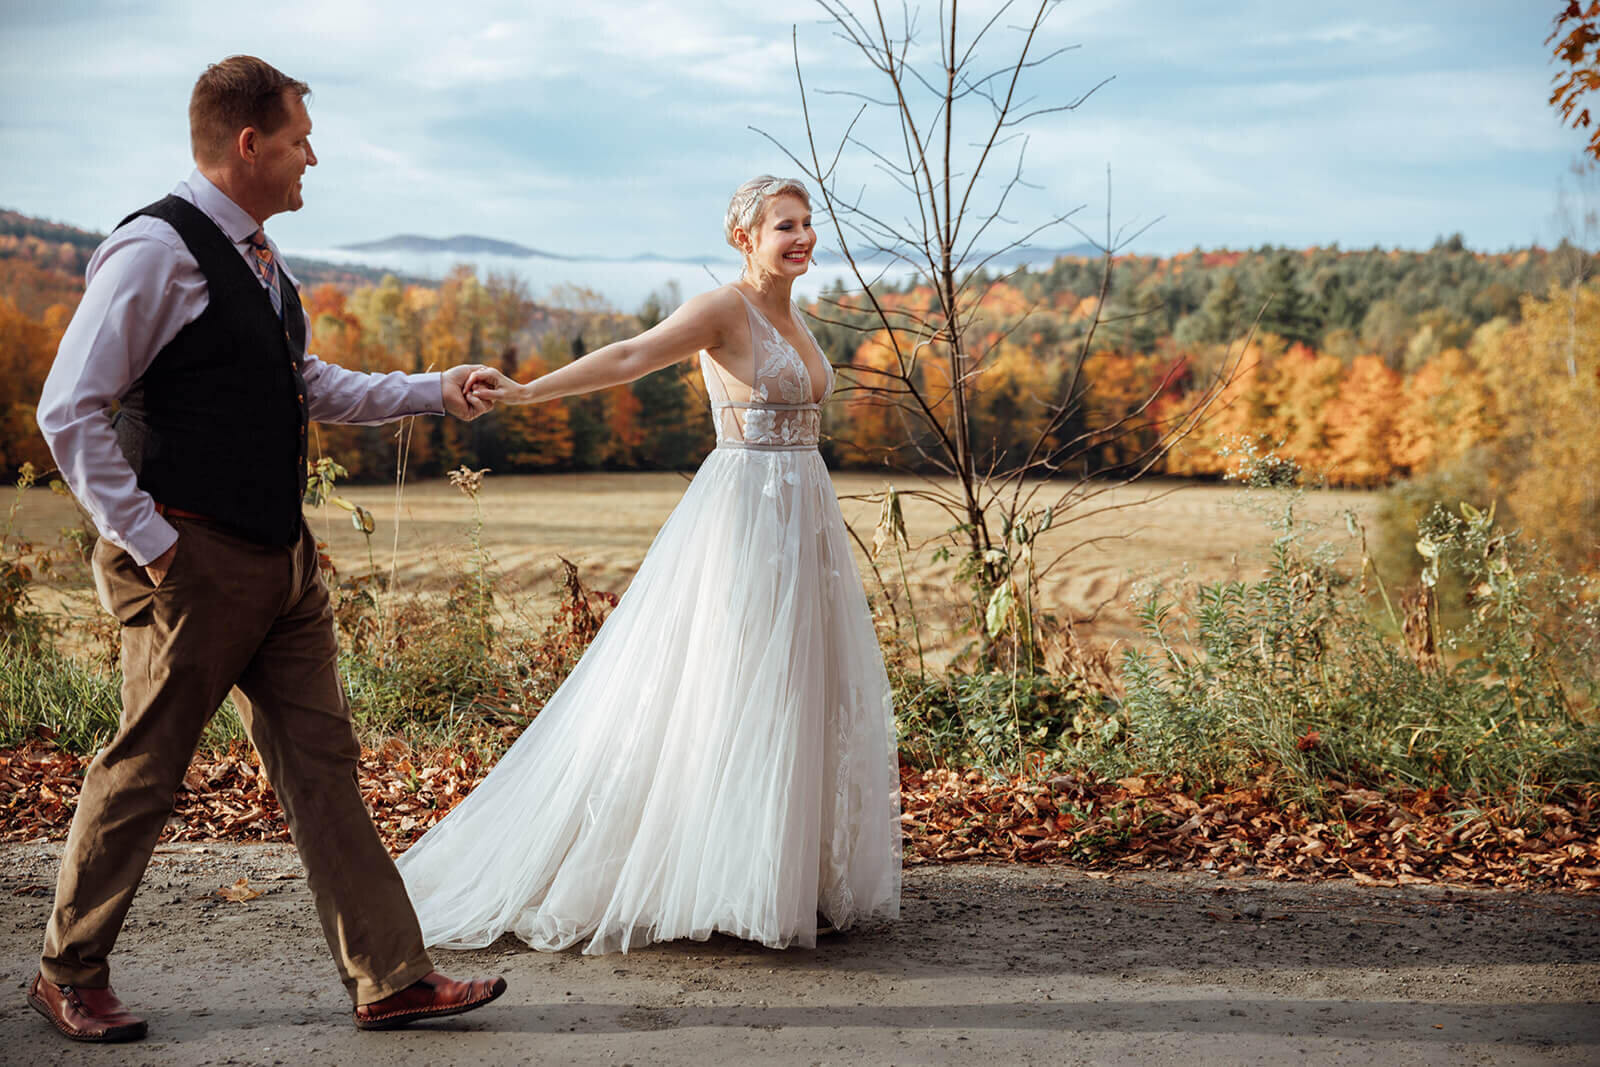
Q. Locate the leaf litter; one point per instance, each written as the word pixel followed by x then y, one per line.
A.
pixel 1396 837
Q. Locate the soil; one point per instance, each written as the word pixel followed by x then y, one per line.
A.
pixel 995 965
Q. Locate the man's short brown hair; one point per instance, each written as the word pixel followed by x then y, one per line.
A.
pixel 238 92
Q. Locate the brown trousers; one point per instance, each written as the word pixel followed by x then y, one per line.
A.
pixel 230 614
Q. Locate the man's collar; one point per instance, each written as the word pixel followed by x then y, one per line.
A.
pixel 232 219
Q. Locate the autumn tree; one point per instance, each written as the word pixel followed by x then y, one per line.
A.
pixel 1292 410
pixel 1546 393
pixel 1360 425
pixel 1445 410
pixel 1235 417
pixel 875 429
pixel 1576 36
pixel 27 347
pixel 535 436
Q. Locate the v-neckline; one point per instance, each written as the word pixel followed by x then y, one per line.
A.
pixel 805 364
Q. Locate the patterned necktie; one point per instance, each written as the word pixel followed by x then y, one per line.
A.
pixel 267 268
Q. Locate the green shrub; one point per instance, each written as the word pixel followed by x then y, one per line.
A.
pixel 1292 680
pixel 1000 722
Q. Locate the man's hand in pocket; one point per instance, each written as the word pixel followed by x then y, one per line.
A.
pixel 157 568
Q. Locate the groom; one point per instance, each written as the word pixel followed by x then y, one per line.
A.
pixel 190 322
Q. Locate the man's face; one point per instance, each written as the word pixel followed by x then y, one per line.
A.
pixel 282 159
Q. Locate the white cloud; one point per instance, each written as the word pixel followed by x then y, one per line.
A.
pixel 1363 34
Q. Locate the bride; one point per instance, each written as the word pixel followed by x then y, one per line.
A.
pixel 723 756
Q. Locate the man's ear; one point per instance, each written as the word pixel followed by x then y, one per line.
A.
pixel 246 144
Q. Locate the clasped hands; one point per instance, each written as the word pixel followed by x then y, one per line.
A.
pixel 461 399
pixel 472 389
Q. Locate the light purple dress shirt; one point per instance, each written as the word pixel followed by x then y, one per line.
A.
pixel 142 287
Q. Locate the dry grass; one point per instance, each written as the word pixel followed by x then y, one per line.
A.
pixel 605 522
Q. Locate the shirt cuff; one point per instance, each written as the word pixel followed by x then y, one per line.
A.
pixel 427 393
pixel 147 540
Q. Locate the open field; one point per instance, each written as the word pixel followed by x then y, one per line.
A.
pixel 604 523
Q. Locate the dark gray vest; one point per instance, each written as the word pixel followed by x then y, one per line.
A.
pixel 217 425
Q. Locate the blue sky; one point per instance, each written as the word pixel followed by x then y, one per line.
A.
pixel 619 129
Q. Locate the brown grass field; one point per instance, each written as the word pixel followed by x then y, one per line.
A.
pixel 605 522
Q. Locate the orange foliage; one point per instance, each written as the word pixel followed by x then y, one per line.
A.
pixel 1360 423
pixel 1085 309
pixel 1292 409
pixel 622 410
pixel 876 425
pixel 1446 408
pixel 27 348
pixel 536 436
pixel 1233 416
pixel 1002 301
pixel 1118 385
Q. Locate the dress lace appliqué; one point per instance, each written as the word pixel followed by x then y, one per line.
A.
pixel 780 412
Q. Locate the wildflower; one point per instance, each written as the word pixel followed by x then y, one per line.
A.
pixel 467 480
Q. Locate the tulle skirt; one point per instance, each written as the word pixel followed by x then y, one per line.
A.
pixel 721 759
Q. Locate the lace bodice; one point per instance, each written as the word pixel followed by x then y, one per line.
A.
pixel 780 413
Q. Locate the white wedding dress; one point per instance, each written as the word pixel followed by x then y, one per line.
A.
pixel 723 756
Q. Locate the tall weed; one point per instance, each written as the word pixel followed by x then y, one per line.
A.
pixel 20 563
pixel 1298 681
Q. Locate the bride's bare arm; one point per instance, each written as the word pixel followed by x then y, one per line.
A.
pixel 701 322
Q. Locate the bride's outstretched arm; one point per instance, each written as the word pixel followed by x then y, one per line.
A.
pixel 699 323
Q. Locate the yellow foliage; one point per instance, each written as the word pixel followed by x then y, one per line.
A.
pixel 1292 411
pixel 1544 376
pixel 1446 409
pixel 1360 425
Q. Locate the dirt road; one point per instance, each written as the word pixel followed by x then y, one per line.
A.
pixel 988 965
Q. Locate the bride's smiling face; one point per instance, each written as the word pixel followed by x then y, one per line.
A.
pixel 783 240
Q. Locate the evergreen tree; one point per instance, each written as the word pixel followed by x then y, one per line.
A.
pixel 1289 312
pixel 1221 317
pixel 665 410
pixel 586 415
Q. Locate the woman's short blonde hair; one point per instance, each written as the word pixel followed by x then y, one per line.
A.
pixel 750 202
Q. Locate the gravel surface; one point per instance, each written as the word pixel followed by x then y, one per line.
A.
pixel 996 965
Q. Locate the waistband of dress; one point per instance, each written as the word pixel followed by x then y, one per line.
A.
pixel 752 405
pixel 752 446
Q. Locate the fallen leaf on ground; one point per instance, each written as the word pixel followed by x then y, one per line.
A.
pixel 239 892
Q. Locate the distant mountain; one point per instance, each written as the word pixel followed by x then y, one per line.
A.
pixel 461 244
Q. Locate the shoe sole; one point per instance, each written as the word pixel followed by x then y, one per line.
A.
pixel 394 1022
pixel 111 1035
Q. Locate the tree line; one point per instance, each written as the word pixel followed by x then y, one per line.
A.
pixel 1365 367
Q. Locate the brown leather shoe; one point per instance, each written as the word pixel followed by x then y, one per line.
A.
pixel 85 1014
pixel 428 998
